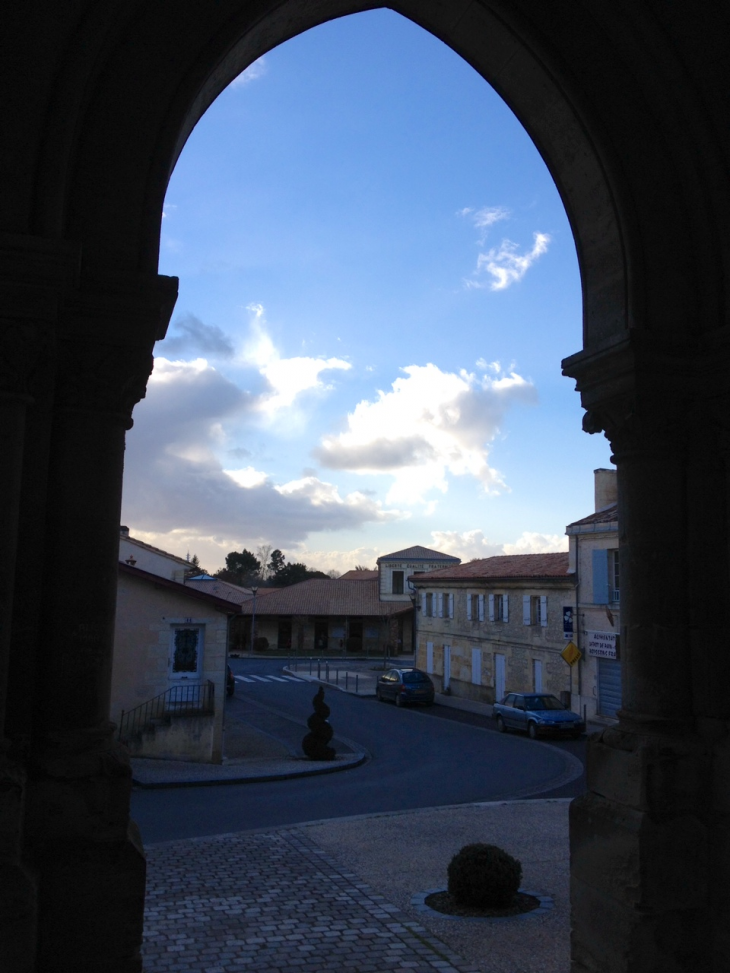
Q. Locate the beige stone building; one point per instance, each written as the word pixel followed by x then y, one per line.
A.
pixel 169 665
pixel 594 561
pixel 496 625
pixel 395 569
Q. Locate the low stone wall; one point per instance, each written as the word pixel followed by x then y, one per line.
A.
pixel 183 738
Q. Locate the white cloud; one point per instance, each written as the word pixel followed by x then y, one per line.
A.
pixel 188 334
pixel 287 377
pixel 471 545
pixel 253 72
pixel 432 423
pixel 175 486
pixel 505 265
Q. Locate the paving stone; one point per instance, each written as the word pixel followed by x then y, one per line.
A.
pixel 250 910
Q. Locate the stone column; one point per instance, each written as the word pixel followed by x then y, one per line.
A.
pixel 87 853
pixel 639 836
pixel 34 274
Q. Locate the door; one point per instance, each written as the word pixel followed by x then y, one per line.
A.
pixel 499 676
pixel 476 666
pixel 447 667
pixel 537 675
pixel 609 686
pixel 186 653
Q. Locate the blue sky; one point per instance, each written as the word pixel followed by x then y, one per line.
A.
pixel 377 284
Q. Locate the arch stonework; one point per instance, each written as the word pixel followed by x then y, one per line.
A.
pixel 627 102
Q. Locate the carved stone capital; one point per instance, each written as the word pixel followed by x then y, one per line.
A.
pixel 107 333
pixel 101 378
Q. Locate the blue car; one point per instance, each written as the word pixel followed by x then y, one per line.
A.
pixel 537 713
pixel 405 686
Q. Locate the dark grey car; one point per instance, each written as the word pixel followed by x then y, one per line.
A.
pixel 537 714
pixel 405 686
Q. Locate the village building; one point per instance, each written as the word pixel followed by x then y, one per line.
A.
pixel 496 625
pixel 594 560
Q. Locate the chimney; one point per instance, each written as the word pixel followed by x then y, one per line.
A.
pixel 124 531
pixel 606 488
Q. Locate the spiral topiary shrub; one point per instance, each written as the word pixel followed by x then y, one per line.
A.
pixel 484 877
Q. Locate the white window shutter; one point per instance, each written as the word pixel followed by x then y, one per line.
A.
pixel 440 599
pixel 468 607
pixel 451 605
pixel 481 608
pixel 543 610
pixel 491 608
pixel 505 606
pixel 526 618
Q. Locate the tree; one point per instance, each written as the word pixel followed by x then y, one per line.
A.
pixel 194 567
pixel 296 572
pixel 277 562
pixel 242 568
pixel 263 553
pixel 361 567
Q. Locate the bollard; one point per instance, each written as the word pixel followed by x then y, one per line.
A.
pixel 327 672
pixel 357 682
pixel 310 665
pixel 319 668
pixel 347 676
pixel 337 677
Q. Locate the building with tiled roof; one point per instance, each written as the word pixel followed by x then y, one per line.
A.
pixel 354 575
pixel 326 614
pixel 394 570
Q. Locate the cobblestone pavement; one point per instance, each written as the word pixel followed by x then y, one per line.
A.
pixel 275 903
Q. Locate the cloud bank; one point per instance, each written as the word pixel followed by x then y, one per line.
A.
pixel 430 424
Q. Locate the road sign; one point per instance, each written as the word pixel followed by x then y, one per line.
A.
pixel 571 653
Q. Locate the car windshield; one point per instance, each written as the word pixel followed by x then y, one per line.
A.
pixel 543 702
pixel 415 676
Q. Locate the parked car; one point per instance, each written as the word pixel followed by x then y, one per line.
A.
pixel 536 713
pixel 405 686
pixel 230 682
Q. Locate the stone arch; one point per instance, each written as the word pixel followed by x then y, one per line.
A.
pixel 628 104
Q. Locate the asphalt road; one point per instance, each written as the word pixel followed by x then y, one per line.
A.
pixel 420 757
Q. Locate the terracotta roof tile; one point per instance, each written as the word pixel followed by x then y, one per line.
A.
pixel 503 566
pixel 358 575
pixel 418 553
pixel 325 596
pixel 607 516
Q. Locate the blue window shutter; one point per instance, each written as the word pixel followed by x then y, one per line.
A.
pixel 600 577
pixel 505 602
pixel 543 610
pixel 526 612
pixel 468 607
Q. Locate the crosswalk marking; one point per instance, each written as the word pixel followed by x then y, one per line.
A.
pixel 254 679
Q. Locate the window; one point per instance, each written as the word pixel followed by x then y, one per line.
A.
pixel 429 605
pixel 447 606
pixel 605 581
pixel 534 610
pixel 499 608
pixel 474 608
pixel 397 583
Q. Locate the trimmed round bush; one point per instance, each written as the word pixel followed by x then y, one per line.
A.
pixel 484 877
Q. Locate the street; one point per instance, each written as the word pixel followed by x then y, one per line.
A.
pixel 420 757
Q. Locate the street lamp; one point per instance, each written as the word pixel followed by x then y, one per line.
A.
pixel 253 621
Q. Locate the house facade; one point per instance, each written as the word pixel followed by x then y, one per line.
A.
pixel 169 663
pixel 395 569
pixel 496 625
pixel 594 560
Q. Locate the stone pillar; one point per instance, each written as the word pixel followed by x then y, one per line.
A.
pixel 34 275
pixel 87 853
pixel 640 836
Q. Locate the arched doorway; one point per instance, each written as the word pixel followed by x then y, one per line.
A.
pixel 626 107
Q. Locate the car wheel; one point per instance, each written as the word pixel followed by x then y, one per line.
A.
pixel 532 731
pixel 500 725
pixel 399 701
pixel 378 696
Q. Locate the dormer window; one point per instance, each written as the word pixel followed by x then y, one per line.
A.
pixel 397 588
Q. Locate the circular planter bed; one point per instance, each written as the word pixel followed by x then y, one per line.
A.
pixel 439 902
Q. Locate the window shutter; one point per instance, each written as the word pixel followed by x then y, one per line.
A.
pixel 451 605
pixel 505 604
pixel 468 607
pixel 429 656
pixel 491 608
pixel 440 604
pixel 526 618
pixel 600 577
pixel 543 610
pixel 476 666
pixel 481 608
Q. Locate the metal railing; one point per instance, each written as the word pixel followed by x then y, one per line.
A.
pixel 177 701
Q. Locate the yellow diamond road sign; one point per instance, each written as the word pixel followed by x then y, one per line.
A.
pixel 571 653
